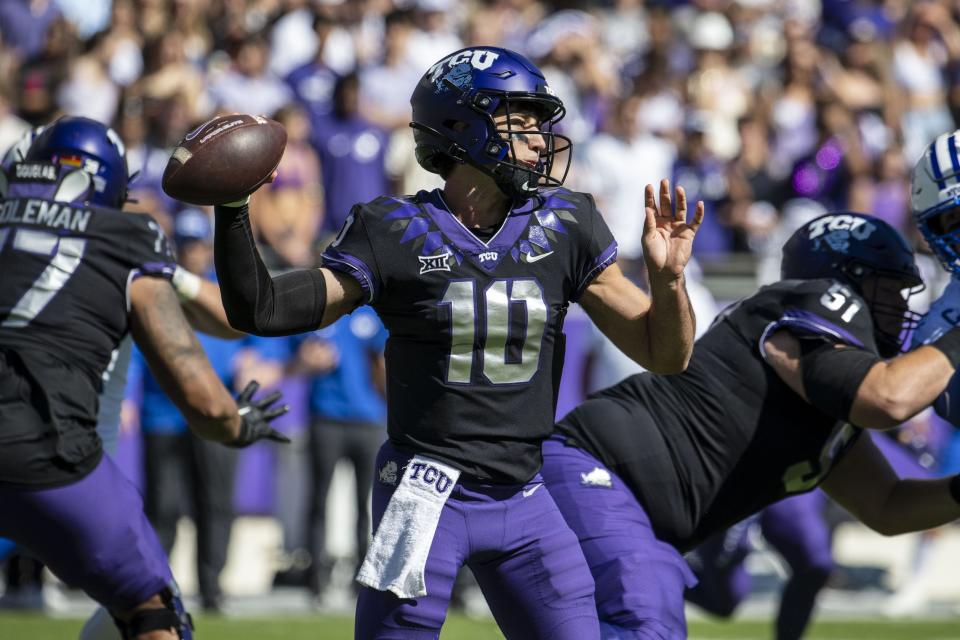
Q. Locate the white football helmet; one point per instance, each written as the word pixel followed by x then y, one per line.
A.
pixel 935 198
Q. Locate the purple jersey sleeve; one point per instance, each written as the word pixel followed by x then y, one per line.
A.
pixel 351 253
pixel 596 247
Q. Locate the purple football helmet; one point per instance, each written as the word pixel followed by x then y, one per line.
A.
pixel 453 108
pixel 81 143
pixel 849 247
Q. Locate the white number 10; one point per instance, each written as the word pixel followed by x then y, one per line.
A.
pixel 497 299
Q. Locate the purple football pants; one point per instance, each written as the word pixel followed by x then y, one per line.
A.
pixel 640 580
pixel 525 558
pixel 796 529
pixel 92 534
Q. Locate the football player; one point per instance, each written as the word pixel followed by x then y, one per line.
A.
pixel 473 281
pixel 79 274
pixel 935 201
pixel 774 403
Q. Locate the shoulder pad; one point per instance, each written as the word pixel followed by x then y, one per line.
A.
pixel 826 308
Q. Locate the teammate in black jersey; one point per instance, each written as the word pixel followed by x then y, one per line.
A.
pixel 773 404
pixel 78 275
pixel 473 281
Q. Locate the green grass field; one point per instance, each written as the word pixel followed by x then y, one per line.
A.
pixel 31 627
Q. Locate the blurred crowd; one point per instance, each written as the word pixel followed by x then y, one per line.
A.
pixel 750 104
pixel 771 111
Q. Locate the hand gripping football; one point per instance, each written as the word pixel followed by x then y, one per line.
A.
pixel 224 160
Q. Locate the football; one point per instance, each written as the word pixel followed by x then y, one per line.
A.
pixel 224 159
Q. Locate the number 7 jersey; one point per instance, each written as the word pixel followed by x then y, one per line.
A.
pixel 64 295
pixel 476 342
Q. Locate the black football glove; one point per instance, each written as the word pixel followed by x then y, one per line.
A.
pixel 255 417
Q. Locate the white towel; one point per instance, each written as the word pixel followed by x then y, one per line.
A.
pixel 397 556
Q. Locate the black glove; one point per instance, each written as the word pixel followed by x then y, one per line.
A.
pixel 255 417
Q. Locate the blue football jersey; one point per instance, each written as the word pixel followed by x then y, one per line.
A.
pixel 944 314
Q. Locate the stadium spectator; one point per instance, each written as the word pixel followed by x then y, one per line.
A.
pixel 313 82
pixel 344 363
pixel 384 86
pixel 616 165
pixel 352 154
pixel 929 41
pixel 248 86
pixel 290 209
pixel 704 177
pixel 24 25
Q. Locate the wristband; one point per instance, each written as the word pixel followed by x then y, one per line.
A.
pixel 949 345
pixel 186 284
pixel 955 488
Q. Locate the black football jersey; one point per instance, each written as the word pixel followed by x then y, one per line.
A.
pixel 727 437
pixel 63 311
pixel 476 343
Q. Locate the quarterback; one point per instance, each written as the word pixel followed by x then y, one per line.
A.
pixel 472 282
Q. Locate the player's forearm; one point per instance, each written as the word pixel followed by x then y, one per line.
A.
pixel 211 412
pixel 254 302
pixel 178 362
pixel 896 390
pixel 202 305
pixel 670 327
pixel 916 505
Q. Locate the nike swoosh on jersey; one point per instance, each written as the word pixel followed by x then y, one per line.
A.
pixel 539 257
pixel 530 491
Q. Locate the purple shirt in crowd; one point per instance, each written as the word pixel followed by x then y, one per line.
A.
pixel 352 163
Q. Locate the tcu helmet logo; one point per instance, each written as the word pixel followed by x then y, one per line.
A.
pixel 434 263
pixel 476 58
pixel 440 481
pixel 859 228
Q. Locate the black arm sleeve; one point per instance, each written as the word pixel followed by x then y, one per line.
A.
pixel 256 303
pixel 832 375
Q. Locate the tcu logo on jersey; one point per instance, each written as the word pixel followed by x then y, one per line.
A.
pixel 476 58
pixel 440 481
pixel 434 263
pixel 489 256
pixel 859 228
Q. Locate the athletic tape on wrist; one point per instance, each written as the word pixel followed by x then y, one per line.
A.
pixel 186 284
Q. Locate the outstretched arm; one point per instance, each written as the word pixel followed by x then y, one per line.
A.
pixel 178 361
pixel 656 331
pixel 202 305
pixel 865 484
pixel 855 385
pixel 295 302
pixel 185 374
